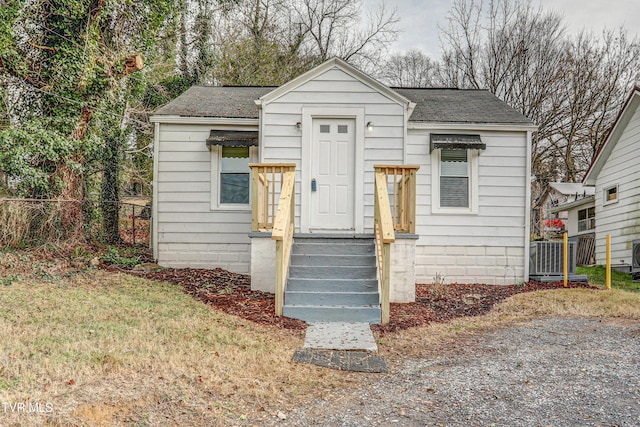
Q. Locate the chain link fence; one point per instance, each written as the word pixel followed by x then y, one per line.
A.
pixel 34 222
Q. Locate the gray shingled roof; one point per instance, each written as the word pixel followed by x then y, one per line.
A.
pixel 460 106
pixel 432 105
pixel 216 101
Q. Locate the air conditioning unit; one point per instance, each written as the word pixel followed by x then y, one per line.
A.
pixel 546 258
pixel 635 255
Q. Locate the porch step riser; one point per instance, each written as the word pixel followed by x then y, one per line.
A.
pixel 336 285
pixel 331 272
pixel 332 280
pixel 309 248
pixel 331 298
pixel 333 314
pixel 333 260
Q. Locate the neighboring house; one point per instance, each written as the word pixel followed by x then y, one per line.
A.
pixel 574 204
pixel 615 174
pixel 468 220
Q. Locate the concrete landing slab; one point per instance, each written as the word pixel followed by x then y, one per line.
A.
pixel 340 336
pixel 357 361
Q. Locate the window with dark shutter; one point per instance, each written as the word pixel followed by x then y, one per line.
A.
pixel 454 179
pixel 234 175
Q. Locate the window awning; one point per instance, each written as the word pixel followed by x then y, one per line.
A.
pixel 232 138
pixel 456 142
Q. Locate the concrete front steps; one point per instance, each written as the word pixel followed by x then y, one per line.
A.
pixel 332 279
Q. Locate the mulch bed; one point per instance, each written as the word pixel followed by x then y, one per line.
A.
pixel 231 293
pixel 443 303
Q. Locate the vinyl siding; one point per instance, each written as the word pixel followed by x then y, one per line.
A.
pixel 572 220
pixel 621 219
pixel 189 232
pixel 282 141
pixel 486 247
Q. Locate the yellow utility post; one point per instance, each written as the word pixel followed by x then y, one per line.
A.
pixel 608 275
pixel 565 259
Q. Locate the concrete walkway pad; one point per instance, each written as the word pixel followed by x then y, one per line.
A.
pixel 340 336
pixel 343 360
pixel 341 345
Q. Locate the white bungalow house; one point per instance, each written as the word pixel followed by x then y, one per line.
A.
pixel 615 174
pixel 333 179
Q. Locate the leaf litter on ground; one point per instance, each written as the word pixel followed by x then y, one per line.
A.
pixel 231 293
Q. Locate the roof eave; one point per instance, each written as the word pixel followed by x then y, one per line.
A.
pixel 616 131
pixel 520 127
pixel 410 107
pixel 571 205
pixel 196 120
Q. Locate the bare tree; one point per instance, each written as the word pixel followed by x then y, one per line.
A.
pixel 598 73
pixel 410 69
pixel 335 28
pixel 267 42
pixel 571 87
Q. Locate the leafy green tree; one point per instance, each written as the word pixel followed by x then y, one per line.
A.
pixel 65 62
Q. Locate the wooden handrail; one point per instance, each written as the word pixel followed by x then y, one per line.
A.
pixel 283 228
pixel 266 182
pixel 284 214
pixel 385 235
pixel 397 214
pixel 384 212
pixel 402 180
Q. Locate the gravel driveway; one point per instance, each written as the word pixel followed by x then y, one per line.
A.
pixel 552 372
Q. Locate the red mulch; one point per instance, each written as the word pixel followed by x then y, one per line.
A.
pixel 442 303
pixel 232 294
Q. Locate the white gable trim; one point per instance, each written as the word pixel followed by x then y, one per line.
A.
pixel 527 206
pixel 619 126
pixel 154 188
pixel 345 67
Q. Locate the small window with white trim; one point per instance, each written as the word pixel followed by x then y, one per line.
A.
pixel 610 195
pixel 454 181
pixel 587 219
pixel 231 176
pixel 234 175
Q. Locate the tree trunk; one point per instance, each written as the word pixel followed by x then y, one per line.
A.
pixel 71 199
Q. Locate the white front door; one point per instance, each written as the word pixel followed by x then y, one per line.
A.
pixel 332 174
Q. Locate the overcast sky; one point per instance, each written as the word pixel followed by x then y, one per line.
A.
pixel 420 18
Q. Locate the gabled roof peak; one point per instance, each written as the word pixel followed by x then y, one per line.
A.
pixel 345 67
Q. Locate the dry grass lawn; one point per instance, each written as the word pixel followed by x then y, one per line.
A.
pixel 99 349
pixel 588 303
pixel 106 349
